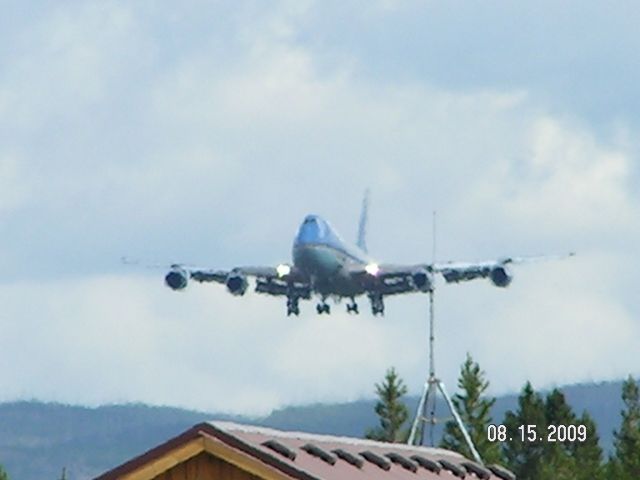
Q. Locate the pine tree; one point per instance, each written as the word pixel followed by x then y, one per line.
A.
pixel 475 411
pixel 391 410
pixel 545 459
pixel 625 464
pixel 558 460
pixel 557 410
pixel 525 459
pixel 588 454
pixel 3 474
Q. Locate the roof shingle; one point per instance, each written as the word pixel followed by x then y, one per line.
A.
pixel 305 456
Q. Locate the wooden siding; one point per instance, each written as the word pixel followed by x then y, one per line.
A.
pixel 204 466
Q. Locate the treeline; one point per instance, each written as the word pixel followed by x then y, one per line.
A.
pixel 542 439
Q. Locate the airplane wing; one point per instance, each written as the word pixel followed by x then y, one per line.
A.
pixel 280 280
pixel 389 279
pixel 496 270
pixel 392 279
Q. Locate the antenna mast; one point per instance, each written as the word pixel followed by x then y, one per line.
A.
pixel 426 411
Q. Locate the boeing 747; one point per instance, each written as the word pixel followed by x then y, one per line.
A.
pixel 327 267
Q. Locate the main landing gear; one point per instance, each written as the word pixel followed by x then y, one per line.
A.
pixel 323 307
pixel 293 306
pixel 352 307
pixel 377 304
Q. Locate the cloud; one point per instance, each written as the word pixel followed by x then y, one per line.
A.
pixel 139 130
pixel 14 189
pixel 566 177
pixel 558 323
pixel 116 338
pixel 65 65
pixel 572 56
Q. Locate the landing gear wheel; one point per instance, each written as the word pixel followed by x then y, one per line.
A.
pixel 292 306
pixel 377 305
pixel 352 307
pixel 323 308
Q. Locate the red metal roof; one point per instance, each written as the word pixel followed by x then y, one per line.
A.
pixel 307 456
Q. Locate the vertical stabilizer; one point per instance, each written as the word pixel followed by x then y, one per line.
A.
pixel 362 226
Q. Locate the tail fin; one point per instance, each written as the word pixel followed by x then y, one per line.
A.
pixel 362 226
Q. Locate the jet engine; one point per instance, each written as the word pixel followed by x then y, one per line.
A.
pixel 422 280
pixel 236 284
pixel 500 276
pixel 177 278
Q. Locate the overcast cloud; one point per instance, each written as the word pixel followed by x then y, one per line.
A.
pixel 205 133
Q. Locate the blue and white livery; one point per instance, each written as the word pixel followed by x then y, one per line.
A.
pixel 326 266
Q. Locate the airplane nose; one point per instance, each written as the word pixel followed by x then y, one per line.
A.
pixel 308 233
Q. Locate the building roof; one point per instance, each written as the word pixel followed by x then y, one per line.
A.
pixel 275 454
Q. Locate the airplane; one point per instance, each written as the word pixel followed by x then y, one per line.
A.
pixel 326 266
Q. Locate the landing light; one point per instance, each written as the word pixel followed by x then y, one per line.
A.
pixel 283 270
pixel 372 269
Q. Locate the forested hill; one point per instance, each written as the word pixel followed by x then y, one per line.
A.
pixel 38 439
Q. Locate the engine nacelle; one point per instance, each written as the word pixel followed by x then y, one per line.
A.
pixel 177 278
pixel 236 284
pixel 422 280
pixel 500 276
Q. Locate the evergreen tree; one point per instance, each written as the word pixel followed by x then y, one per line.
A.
pixel 557 410
pixel 558 460
pixel 625 464
pixel 475 411
pixel 544 459
pixel 3 474
pixel 391 410
pixel 525 459
pixel 588 454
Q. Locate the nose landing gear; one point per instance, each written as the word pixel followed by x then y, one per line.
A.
pixel 377 304
pixel 292 306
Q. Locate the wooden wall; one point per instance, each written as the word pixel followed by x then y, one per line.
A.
pixel 205 466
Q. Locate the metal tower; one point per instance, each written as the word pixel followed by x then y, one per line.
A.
pixel 426 412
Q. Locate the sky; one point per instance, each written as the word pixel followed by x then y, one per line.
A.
pixel 204 133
